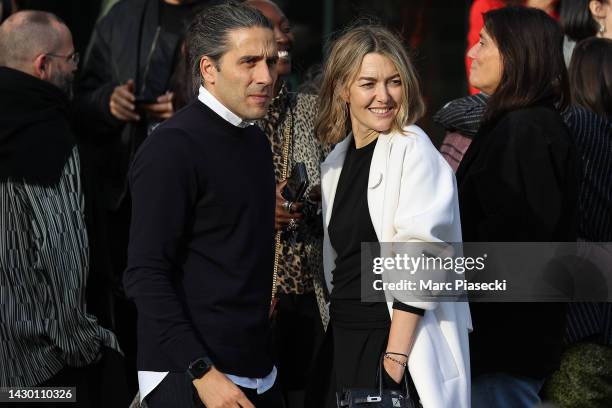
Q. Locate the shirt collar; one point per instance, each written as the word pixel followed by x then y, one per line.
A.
pixel 213 103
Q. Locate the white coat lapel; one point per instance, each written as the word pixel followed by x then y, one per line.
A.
pixel 377 182
pixel 330 174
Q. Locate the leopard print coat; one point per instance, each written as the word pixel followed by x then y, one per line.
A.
pixel 301 264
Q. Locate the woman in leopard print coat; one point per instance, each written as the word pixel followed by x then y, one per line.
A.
pixel 300 314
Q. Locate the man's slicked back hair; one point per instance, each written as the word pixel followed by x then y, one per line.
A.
pixel 26 34
pixel 208 33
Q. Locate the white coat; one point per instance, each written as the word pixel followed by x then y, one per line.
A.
pixel 412 196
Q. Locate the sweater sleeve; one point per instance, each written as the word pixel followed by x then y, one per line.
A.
pixel 164 191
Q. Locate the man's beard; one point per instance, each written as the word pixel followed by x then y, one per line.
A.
pixel 64 82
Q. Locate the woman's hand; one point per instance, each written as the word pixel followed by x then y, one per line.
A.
pixel 283 214
pixel 401 338
pixel 393 369
pixel 315 194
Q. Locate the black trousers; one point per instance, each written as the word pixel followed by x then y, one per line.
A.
pixel 177 391
pixel 298 334
pixel 125 314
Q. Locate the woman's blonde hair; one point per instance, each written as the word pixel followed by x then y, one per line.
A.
pixel 341 69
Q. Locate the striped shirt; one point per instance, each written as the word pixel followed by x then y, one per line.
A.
pixel 593 136
pixel 43 269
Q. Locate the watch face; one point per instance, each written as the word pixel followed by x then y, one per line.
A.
pixel 200 367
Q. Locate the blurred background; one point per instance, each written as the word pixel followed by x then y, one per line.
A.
pixel 433 30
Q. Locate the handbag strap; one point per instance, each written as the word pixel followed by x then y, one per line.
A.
pixel 380 378
pixel 284 170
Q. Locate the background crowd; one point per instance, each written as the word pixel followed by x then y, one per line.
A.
pixel 113 71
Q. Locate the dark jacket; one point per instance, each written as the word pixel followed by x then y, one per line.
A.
pixel 114 57
pixel 518 182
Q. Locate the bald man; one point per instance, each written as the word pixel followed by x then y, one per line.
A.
pixel 39 44
pixel 47 338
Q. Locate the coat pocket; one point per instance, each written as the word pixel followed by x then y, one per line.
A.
pixel 441 351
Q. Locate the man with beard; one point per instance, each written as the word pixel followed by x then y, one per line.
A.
pixel 201 248
pixel 123 92
pixel 47 337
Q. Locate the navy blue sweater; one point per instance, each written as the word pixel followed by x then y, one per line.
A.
pixel 202 244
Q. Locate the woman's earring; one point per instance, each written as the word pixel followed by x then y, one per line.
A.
pixel 602 29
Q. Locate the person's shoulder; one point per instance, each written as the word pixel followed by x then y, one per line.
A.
pixel 166 141
pixel 587 128
pixel 532 116
pixel 193 118
pixel 580 117
pixel 413 137
pixel 418 148
pixel 305 105
pixel 173 135
pixel 531 128
pixel 523 123
pixel 306 99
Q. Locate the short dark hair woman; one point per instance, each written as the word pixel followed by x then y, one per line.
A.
pixel 581 19
pixel 517 182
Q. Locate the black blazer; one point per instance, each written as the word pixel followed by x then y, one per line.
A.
pixel 518 182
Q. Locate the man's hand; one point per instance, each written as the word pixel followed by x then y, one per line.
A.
pixel 217 391
pixel 122 103
pixel 282 216
pixel 162 109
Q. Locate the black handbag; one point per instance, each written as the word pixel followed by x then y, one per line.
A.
pixel 297 183
pixel 379 398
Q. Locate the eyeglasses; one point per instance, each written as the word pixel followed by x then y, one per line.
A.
pixel 73 58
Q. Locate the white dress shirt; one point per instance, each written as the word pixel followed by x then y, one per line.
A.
pixel 148 380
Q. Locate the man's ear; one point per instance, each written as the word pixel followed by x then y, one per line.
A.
pixel 208 69
pixel 41 67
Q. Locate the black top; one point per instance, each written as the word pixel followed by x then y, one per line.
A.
pixel 350 225
pixel 518 183
pixel 201 248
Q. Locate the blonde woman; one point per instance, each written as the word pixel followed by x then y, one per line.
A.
pixel 385 182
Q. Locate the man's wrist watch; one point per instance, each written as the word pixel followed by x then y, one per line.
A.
pixel 199 367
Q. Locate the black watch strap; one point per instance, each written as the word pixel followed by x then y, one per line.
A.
pixel 199 367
